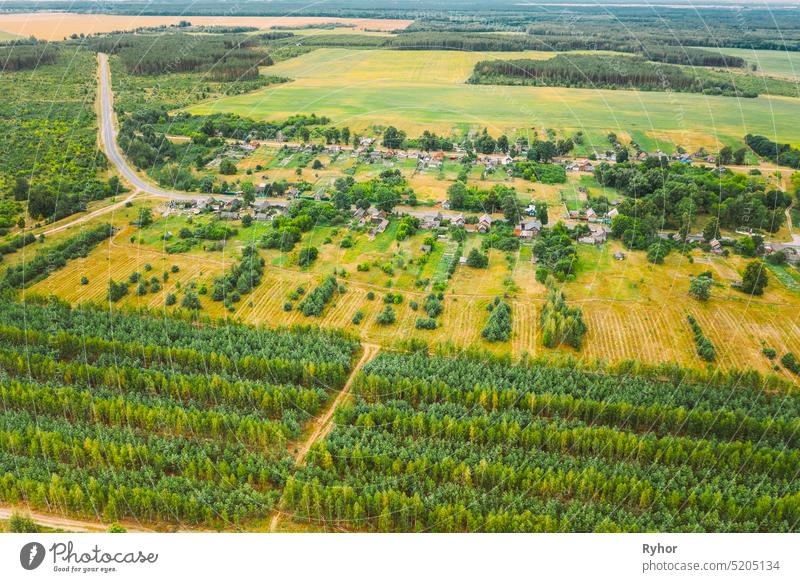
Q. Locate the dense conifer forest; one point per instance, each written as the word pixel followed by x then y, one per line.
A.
pixel 134 416
pixel 464 445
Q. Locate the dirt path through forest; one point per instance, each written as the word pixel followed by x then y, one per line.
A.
pixel 324 424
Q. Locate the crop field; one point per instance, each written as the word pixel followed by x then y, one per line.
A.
pixel 57 25
pixel 8 36
pixel 194 433
pixel 418 90
pixel 465 444
pixel 774 63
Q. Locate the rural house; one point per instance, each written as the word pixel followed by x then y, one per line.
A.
pixel 528 229
pixel 484 223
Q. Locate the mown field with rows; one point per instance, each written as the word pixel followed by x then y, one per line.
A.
pixel 465 444
pixel 131 416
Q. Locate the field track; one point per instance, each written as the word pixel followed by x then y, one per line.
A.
pixel 323 424
pixel 72 525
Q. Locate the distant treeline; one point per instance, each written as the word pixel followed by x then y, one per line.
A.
pixel 613 28
pixel 780 153
pixel 602 72
pixel 519 42
pixel 222 29
pixel 686 56
pixel 21 57
pixel 314 26
pixel 223 57
pixel 349 40
pixel 709 34
pixel 275 35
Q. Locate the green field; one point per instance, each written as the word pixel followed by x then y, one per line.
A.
pixel 8 36
pixel 788 276
pixel 420 90
pixel 775 63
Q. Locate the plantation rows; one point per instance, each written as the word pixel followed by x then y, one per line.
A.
pixel 634 388
pixel 103 415
pixel 466 444
pixel 234 340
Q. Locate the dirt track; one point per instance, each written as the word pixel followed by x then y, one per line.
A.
pixel 324 424
pixel 67 524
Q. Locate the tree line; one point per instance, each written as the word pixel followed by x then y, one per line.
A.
pixel 20 57
pixel 480 42
pixel 223 57
pixel 48 260
pixel 780 153
pixel 603 72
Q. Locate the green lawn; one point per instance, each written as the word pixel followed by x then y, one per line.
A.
pixel 420 90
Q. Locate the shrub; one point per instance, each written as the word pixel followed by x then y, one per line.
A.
pixel 190 301
pixel 393 298
pixel 705 349
pixel 498 327
pixel 700 288
pixel 22 524
pixel 116 291
pixel 307 256
pixel 477 260
pixel 433 306
pixel 387 316
pixel 790 362
pixel 426 323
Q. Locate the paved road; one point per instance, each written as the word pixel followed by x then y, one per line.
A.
pixel 109 136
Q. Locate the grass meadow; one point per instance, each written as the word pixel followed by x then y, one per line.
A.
pixel 783 64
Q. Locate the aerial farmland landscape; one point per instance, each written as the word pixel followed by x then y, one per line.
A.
pixel 523 268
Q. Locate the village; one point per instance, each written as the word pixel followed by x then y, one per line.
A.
pixel 265 203
pixel 594 229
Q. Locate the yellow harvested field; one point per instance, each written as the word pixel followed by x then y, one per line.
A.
pixel 57 25
pixel 633 310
